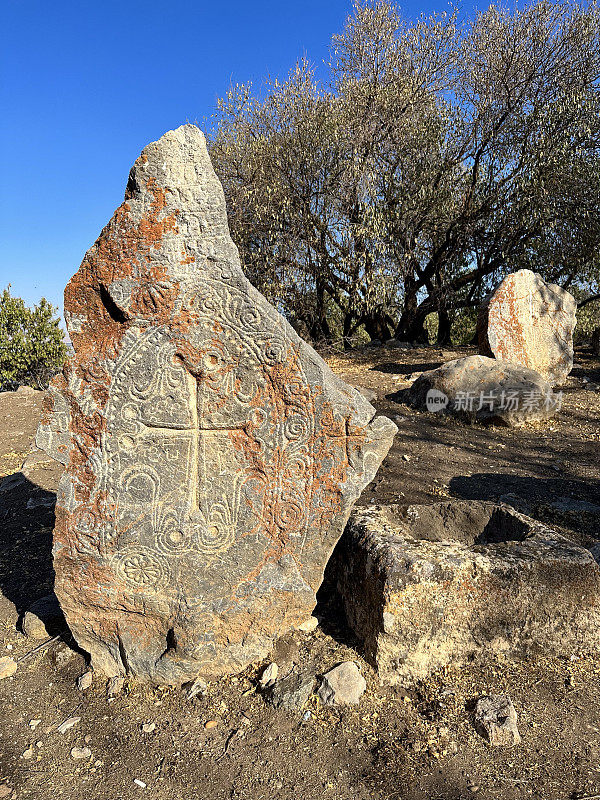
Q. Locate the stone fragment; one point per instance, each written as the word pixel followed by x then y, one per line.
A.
pixel 269 675
pixel 80 752
pixel 529 322
pixel 197 687
pixel 8 667
pixel 211 457
pixel 496 720
pixel 426 586
pixel 68 724
pixel 115 686
pixel 292 692
pixel 32 626
pixel 477 388
pixel 43 618
pixel 311 624
pixel 148 727
pixel 342 685
pixel 85 680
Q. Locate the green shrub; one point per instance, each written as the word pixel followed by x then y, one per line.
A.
pixel 588 319
pixel 464 327
pixel 32 347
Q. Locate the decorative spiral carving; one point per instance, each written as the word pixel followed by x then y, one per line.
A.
pixel 289 514
pixel 212 537
pixel 296 426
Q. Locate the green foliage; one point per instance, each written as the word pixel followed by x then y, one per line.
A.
pixel 464 327
pixel 32 348
pixel 588 319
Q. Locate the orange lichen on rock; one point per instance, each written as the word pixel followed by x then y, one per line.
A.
pixel 211 458
pixel 531 323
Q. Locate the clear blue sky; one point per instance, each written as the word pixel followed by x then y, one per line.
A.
pixel 85 85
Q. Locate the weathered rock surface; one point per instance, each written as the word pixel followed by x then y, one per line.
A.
pixel 578 515
pixel 486 390
pixel 43 618
pixel 529 322
pixel 8 667
pixel 425 586
pixel 496 720
pixel 292 692
pixel 211 457
pixel 342 685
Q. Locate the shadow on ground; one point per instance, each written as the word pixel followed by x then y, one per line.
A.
pixel 491 486
pixel 26 523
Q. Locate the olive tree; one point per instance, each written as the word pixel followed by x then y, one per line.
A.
pixel 435 158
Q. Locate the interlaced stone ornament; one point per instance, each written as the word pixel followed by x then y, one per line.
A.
pixel 211 457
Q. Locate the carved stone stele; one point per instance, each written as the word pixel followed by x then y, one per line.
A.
pixel 211 457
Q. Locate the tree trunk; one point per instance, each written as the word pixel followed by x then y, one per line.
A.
pixel 411 327
pixel 377 327
pixel 444 326
pixel 348 319
pixel 319 328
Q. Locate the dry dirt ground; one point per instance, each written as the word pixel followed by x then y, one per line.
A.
pixel 415 744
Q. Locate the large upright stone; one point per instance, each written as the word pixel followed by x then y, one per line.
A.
pixel 529 322
pixel 211 457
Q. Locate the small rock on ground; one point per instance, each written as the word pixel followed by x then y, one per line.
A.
pixel 43 618
pixel 80 752
pixel 8 667
pixel 68 723
pixel 269 675
pixel 496 720
pixel 342 685
pixel 85 681
pixel 198 687
pixel 115 686
pixel 292 692
pixel 309 626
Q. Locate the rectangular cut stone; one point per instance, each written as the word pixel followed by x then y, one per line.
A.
pixel 428 586
pixel 211 457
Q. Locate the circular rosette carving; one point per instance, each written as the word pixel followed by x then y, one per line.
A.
pixel 143 569
pixel 210 537
pixel 289 514
pixel 207 303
